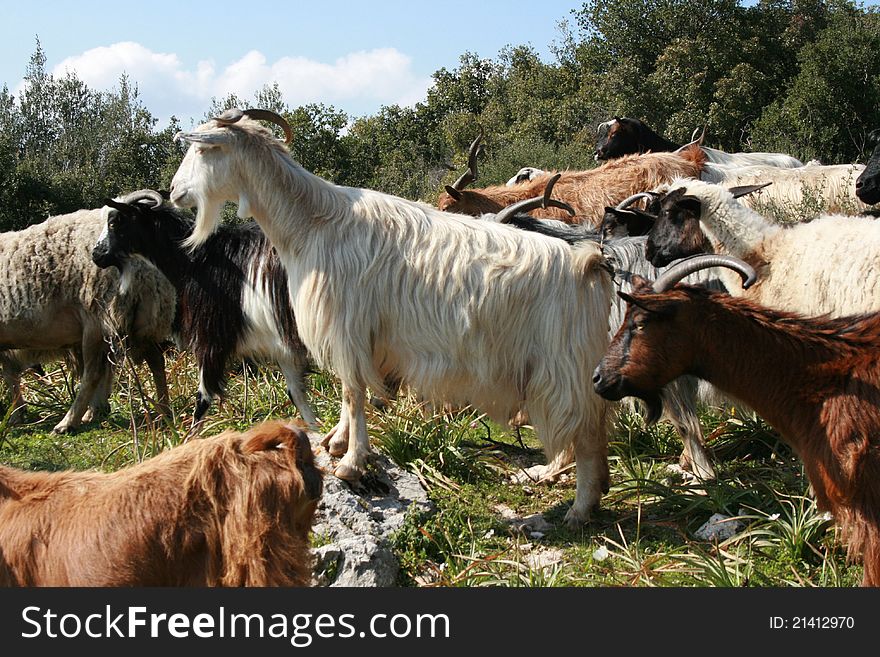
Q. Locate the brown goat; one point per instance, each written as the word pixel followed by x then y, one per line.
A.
pixel 231 510
pixel 815 380
pixel 589 193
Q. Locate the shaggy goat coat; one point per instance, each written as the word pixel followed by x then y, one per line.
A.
pixel 463 311
pixel 627 257
pixel 231 510
pixel 815 380
pixel 828 188
pixel 233 299
pixel 587 192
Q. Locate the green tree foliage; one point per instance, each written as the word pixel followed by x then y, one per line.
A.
pixel 65 146
pixel 796 76
pixel 778 75
pixel 834 100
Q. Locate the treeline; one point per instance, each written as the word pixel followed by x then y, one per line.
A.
pixel 796 76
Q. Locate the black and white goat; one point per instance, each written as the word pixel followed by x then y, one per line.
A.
pixel 868 183
pixel 232 293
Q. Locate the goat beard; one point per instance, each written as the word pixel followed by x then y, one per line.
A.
pixel 653 406
pixel 207 220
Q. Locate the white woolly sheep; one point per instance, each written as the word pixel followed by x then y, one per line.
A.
pixel 828 265
pixel 53 297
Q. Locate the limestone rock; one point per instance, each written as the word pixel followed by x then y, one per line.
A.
pixel 357 521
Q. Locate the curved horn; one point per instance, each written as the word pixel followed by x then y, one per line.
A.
pixel 232 115
pixel 143 195
pixel 688 266
pixel 530 204
pixel 625 203
pixel 116 205
pixel 272 117
pixel 694 140
pixel 470 175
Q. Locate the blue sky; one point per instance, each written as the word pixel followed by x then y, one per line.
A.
pixel 356 56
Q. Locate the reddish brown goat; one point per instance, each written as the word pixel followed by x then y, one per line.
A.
pixel 589 193
pixel 231 510
pixel 815 380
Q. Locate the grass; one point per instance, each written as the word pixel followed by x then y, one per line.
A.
pixel 643 535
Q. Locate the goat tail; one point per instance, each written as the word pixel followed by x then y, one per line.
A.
pixel 861 531
pixel 587 257
pixel 870 542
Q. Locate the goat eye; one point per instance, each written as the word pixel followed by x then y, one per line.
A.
pixel 639 327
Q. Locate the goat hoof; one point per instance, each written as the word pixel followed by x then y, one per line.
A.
pixel 537 474
pixel 62 429
pixel 347 472
pixel 576 519
pixel 338 446
pixel 325 441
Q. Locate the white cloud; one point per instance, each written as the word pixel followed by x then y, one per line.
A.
pixel 357 83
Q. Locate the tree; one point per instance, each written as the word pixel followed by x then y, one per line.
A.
pixel 833 101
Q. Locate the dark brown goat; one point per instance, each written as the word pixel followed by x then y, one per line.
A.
pixel 589 193
pixel 815 380
pixel 232 510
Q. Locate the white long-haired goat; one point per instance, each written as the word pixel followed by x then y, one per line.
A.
pixel 461 310
pixel 827 188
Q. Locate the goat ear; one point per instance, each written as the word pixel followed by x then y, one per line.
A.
pixel 211 138
pixel 690 203
pixel 124 208
pixel 453 192
pixel 742 190
pixel 647 302
pixel 634 223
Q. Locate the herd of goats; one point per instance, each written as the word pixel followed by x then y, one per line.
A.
pixel 540 300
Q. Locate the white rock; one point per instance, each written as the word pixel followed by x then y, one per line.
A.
pixel 718 528
pixel 357 522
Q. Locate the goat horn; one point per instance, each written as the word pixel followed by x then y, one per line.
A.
pixel 530 204
pixel 232 115
pixel 688 266
pixel 470 175
pixel 272 117
pixel 686 146
pixel 625 203
pixel 143 195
